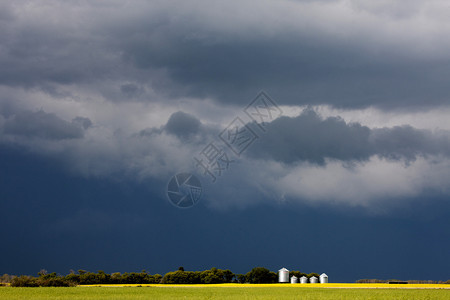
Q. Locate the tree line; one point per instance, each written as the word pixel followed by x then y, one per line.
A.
pixel 397 280
pixel 180 276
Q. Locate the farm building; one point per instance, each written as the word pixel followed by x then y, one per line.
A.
pixel 283 275
pixel 323 278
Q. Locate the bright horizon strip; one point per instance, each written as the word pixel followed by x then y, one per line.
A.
pixel 290 285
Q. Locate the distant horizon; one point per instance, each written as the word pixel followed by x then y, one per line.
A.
pixel 307 275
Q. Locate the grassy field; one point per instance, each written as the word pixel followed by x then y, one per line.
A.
pixel 230 291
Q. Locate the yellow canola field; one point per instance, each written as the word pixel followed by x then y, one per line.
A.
pixel 295 285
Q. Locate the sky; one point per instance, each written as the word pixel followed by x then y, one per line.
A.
pixel 317 131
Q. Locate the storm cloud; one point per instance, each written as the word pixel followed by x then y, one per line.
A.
pixel 311 138
pixel 136 90
pixel 182 125
pixel 44 125
pixel 168 50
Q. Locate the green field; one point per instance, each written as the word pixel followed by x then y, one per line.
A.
pixel 217 292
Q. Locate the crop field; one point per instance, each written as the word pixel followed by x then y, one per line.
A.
pixel 233 291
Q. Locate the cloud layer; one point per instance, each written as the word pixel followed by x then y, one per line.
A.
pixel 307 158
pixel 342 53
pixel 136 89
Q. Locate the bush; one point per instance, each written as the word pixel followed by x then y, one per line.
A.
pixel 28 281
pixel 24 281
pixel 5 278
pixel 370 281
pixel 58 281
pixel 422 281
pixel 73 278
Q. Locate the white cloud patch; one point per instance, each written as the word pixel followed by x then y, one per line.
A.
pixel 363 184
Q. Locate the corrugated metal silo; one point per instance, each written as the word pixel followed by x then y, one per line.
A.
pixel 313 279
pixel 324 278
pixel 294 279
pixel 303 279
pixel 283 275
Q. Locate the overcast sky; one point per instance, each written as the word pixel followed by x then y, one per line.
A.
pixel 101 103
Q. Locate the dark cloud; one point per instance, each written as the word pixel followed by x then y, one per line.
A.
pixel 44 125
pixel 49 46
pixel 297 67
pixel 308 137
pixel 84 123
pixel 182 125
pixel 130 90
pixel 196 55
pixel 6 14
pixel 408 143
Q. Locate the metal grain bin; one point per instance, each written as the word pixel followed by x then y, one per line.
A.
pixel 313 280
pixel 283 275
pixel 324 278
pixel 294 279
pixel 303 279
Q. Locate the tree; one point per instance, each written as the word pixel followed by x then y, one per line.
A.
pixel 102 277
pixel 73 278
pixel 228 276
pixel 181 277
pixel 313 274
pixel 157 278
pixel 240 278
pixel 116 277
pixel 261 275
pixel 297 274
pixel 211 276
